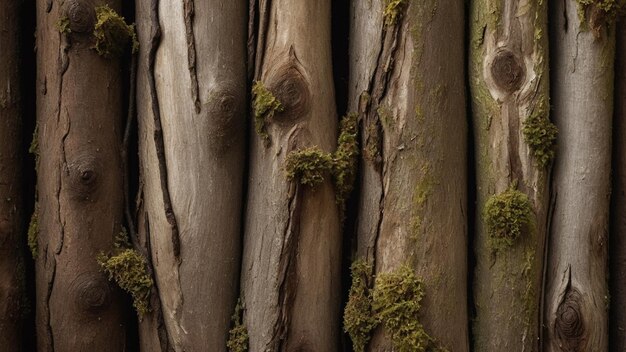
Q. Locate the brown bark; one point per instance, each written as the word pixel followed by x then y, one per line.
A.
pixel 407 84
pixel 191 112
pixel 292 242
pixel 79 181
pixel 11 259
pixel 617 321
pixel 514 147
pixel 582 52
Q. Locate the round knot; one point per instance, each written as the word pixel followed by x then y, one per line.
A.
pixel 507 71
pixel 291 88
pixel 569 323
pixel 82 16
pixel 91 292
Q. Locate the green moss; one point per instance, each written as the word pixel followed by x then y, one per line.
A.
pixel 33 232
pixel 373 142
pixel 345 158
pixel 393 11
pixel 238 334
pixel 506 215
pixel 63 25
pixel 396 299
pixel 358 317
pixel 609 9
pixel 540 135
pixel 128 268
pixel 264 105
pixel 308 166
pixel 112 33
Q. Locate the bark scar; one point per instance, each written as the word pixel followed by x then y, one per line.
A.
pixel 191 52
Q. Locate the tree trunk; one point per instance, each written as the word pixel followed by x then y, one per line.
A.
pixel 79 177
pixel 292 242
pixel 514 142
pixel 12 293
pixel 407 84
pixel 191 115
pixel 582 64
pixel 618 211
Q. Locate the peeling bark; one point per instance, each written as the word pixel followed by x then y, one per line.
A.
pixel 79 182
pixel 191 140
pixel 407 84
pixel 292 242
pixel 576 290
pixel 618 210
pixel 510 104
pixel 12 295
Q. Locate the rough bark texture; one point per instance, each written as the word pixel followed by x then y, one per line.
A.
pixel 618 211
pixel 292 244
pixel 191 111
pixel 79 181
pixel 510 93
pixel 407 84
pixel 576 290
pixel 11 260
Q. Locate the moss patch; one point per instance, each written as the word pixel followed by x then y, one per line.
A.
pixel 112 33
pixel 358 318
pixel 393 11
pixel 128 268
pixel 308 166
pixel 63 25
pixel 264 105
pixel 33 232
pixel 345 158
pixel 238 335
pixel 540 135
pixel 506 215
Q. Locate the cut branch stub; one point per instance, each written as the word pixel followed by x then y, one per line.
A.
pixel 81 16
pixel 508 71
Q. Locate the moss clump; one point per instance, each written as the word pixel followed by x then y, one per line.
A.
pixel 128 268
pixel 345 160
pixel 358 318
pixel 393 11
pixel 540 135
pixel 63 25
pixel 506 215
pixel 112 33
pixel 264 105
pixel 396 299
pixel 308 166
pixel 238 335
pixel 33 232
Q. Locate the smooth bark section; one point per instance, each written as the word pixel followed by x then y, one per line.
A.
pixel 510 105
pixel 576 290
pixel 407 84
pixel 292 244
pixel 617 256
pixel 12 278
pixel 191 114
pixel 79 181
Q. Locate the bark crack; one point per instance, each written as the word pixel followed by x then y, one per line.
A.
pixel 191 52
pixel 264 13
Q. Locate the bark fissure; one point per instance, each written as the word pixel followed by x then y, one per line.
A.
pixel 188 7
pixel 262 13
pixel 155 39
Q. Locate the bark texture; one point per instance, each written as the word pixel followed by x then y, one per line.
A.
pixel 514 147
pixel 618 211
pixel 582 49
pixel 292 242
pixel 407 85
pixel 191 111
pixel 12 293
pixel 79 180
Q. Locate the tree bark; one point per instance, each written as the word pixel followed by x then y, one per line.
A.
pixel 79 180
pixel 407 85
pixel 191 137
pixel 618 210
pixel 582 50
pixel 514 142
pixel 292 241
pixel 12 278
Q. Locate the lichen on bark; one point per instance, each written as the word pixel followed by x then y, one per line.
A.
pixel 112 33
